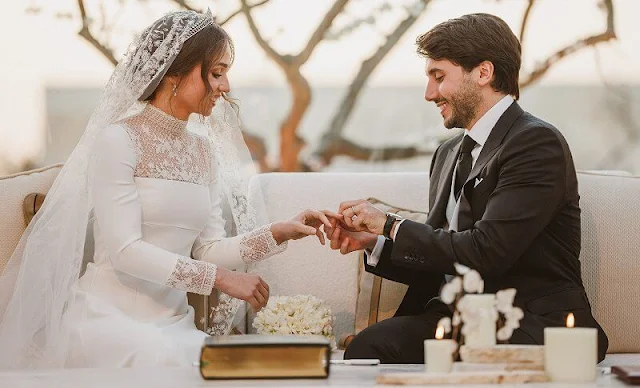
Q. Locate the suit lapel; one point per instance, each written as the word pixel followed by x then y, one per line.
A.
pixel 437 214
pixel 495 138
pixel 499 131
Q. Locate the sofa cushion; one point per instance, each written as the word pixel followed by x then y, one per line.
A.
pixel 13 190
pixel 609 257
pixel 417 215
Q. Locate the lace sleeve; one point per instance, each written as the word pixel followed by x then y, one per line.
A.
pixel 193 276
pixel 259 245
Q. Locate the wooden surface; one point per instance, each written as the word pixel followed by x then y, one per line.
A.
pixel 515 357
pixel 476 377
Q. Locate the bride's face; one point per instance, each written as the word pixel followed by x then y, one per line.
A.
pixel 195 95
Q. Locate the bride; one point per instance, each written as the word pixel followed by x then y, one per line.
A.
pixel 165 194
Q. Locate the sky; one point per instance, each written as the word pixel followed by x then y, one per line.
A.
pixel 48 52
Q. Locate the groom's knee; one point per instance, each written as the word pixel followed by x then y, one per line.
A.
pixel 371 343
pixel 361 347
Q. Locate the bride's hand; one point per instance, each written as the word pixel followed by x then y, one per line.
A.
pixel 303 224
pixel 245 286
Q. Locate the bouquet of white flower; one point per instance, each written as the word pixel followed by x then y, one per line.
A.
pixel 466 317
pixel 299 314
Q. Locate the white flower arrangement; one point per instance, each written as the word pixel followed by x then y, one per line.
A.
pixel 467 317
pixel 299 314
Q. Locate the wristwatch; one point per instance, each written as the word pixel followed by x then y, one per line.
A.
pixel 392 218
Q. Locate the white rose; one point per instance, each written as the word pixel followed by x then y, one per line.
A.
pixel 456 284
pixel 299 314
pixel 504 333
pixel 512 324
pixel 446 324
pixel 515 313
pixel 461 269
pixel 472 282
pixel 504 299
pixel 448 294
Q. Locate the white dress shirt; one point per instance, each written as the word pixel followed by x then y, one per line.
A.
pixel 479 133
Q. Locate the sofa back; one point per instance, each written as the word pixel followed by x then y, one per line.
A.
pixel 610 242
pixel 609 256
pixel 13 190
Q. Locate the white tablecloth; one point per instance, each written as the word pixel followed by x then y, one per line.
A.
pixel 341 376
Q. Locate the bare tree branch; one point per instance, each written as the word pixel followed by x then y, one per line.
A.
pixel 344 147
pixel 184 4
pixel 320 31
pixel 86 34
pixel 271 53
pixel 525 19
pixel 366 69
pixel 239 11
pixel 290 143
pixel 593 40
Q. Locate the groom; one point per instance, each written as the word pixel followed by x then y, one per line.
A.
pixel 503 200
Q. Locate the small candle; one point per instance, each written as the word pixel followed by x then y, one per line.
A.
pixel 570 353
pixel 438 353
pixel 485 334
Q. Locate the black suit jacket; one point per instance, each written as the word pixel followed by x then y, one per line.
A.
pixel 519 227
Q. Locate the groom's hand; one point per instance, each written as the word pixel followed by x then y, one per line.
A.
pixel 361 216
pixel 346 239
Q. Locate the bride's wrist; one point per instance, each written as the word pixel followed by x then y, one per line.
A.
pixel 277 231
pixel 222 275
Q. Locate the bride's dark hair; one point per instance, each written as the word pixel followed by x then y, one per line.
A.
pixel 206 47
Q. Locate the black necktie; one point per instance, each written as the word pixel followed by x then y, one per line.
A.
pixel 463 167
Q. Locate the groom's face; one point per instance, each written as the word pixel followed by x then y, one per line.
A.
pixel 454 92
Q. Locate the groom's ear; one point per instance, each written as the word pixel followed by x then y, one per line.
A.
pixel 485 73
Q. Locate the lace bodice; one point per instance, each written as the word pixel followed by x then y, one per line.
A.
pixel 166 149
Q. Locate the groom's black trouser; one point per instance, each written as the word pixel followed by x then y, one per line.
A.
pixel 398 340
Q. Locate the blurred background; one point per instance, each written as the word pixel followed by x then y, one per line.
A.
pixel 327 85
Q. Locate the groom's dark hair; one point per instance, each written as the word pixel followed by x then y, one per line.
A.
pixel 471 39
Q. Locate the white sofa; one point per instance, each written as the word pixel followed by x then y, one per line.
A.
pixel 611 240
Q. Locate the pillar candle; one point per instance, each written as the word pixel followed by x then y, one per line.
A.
pixel 570 353
pixel 438 353
pixel 485 334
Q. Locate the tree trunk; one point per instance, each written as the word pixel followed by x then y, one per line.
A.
pixel 290 142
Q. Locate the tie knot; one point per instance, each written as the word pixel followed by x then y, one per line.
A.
pixel 467 144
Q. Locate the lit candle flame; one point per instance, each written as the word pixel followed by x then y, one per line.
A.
pixel 440 332
pixel 571 321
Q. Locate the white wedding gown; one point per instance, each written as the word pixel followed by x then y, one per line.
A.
pixel 159 233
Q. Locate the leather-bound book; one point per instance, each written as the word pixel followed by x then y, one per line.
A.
pixel 630 374
pixel 255 356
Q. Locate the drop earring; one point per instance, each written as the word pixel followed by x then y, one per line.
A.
pixel 175 90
